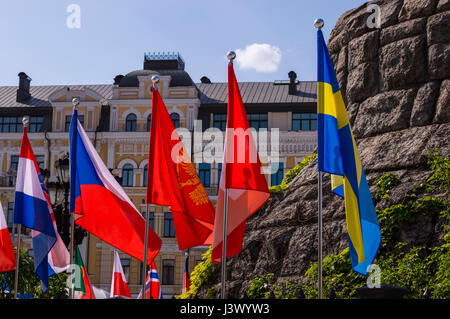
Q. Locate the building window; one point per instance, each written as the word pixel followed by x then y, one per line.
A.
pixel 204 173
pixel 169 228
pixel 10 217
pixel 11 178
pixel 257 120
pixel 127 175
pixel 11 124
pixel 126 267
pixel 35 124
pixel 304 121
pixel 144 182
pixel 69 119
pixel 175 119
pixel 168 271
pixel 40 161
pixel 277 177
pixel 130 123
pixel 149 122
pixel 220 121
pixel 219 174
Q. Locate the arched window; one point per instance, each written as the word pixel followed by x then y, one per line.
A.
pixel 130 123
pixel 149 121
pixel 144 182
pixel 175 119
pixel 127 175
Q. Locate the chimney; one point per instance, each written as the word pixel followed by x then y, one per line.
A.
pixel 205 79
pixel 23 93
pixel 293 83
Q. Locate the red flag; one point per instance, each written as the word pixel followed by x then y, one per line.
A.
pixel 172 181
pixel 241 175
pixel 119 285
pixel 7 258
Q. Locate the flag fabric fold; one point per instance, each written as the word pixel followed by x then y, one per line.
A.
pixel 119 285
pixel 7 258
pixel 172 181
pixel 85 290
pixel 100 204
pixel 32 209
pixel 152 285
pixel 338 155
pixel 241 175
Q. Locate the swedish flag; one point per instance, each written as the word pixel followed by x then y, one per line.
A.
pixel 338 155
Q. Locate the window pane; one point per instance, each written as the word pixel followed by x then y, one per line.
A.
pixel 314 125
pixel 127 175
pixel 168 271
pixel 295 125
pixel 130 123
pixel 305 125
pixel 205 174
pixel 169 229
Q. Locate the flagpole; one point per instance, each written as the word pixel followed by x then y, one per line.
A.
pixel 16 275
pixel 319 267
pixel 155 80
pixel 318 23
pixel 75 102
pixel 224 244
pixel 25 121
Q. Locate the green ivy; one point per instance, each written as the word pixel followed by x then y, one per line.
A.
pixel 384 184
pixel 260 286
pixel 291 174
pixel 200 276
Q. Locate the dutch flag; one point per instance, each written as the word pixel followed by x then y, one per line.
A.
pixel 33 210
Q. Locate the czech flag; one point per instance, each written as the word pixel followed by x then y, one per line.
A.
pixel 338 155
pixel 33 210
pixel 100 204
pixel 241 175
pixel 152 285
pixel 7 258
pixel 119 285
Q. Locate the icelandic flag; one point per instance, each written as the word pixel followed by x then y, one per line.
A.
pixel 152 285
pixel 99 203
pixel 33 210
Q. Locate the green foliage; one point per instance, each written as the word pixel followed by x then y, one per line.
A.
pixel 291 174
pixel 260 286
pixel 211 294
pixel 29 282
pixel 441 170
pixel 200 276
pixel 384 184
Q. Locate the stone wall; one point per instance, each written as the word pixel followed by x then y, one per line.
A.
pixel 396 84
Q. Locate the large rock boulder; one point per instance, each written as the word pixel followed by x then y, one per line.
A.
pixel 396 84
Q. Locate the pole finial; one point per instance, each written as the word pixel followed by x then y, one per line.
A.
pixel 75 102
pixel 318 23
pixel 231 55
pixel 155 80
pixel 25 121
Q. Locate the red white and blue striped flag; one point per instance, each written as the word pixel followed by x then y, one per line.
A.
pixel 152 285
pixel 33 210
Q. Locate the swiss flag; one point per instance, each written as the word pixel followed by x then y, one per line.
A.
pixel 241 175
pixel 119 285
pixel 173 181
pixel 7 258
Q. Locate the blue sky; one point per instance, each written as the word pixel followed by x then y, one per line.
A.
pixel 114 35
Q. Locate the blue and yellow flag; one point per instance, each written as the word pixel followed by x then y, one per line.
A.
pixel 338 155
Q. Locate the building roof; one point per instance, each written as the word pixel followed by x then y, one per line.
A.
pixel 178 77
pixel 259 93
pixel 40 94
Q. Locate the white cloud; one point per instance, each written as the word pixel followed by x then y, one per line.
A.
pixel 260 57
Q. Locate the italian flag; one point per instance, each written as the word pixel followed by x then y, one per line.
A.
pixel 83 287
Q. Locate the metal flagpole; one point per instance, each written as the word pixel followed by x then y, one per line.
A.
pixel 231 55
pixel 155 80
pixel 25 122
pixel 319 264
pixel 75 102
pixel 16 275
pixel 318 23
pixel 224 244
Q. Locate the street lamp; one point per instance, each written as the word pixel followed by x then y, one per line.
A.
pixel 63 171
